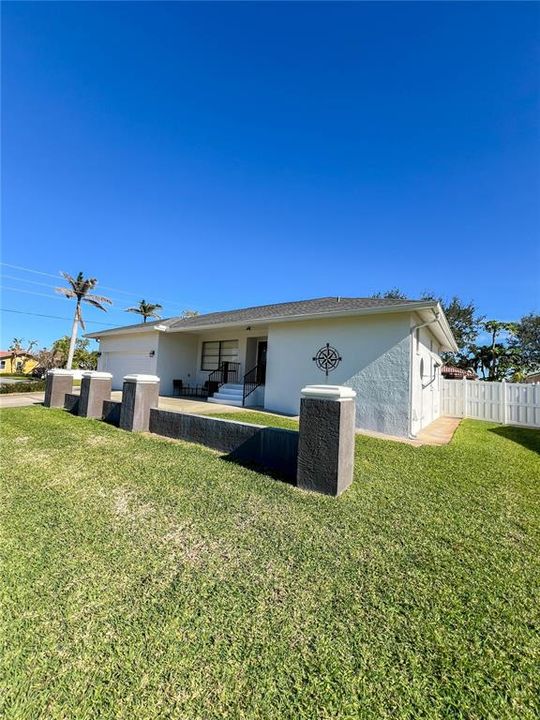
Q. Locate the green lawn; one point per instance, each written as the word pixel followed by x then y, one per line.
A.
pixel 258 418
pixel 143 578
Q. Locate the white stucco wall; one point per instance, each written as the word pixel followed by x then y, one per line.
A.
pixel 125 354
pixel 176 360
pixel 376 357
pixel 426 379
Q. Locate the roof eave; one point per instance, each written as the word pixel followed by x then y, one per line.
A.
pixel 385 309
pixel 125 330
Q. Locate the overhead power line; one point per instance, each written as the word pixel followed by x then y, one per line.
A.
pixel 54 317
pixel 111 311
pixel 32 292
pixel 58 277
pixel 48 285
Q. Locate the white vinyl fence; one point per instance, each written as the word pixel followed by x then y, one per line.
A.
pixel 502 402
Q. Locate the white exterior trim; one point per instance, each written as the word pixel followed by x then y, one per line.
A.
pixel 141 379
pixel 328 392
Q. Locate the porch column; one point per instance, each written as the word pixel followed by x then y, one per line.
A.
pixel 59 383
pixel 326 442
pixel 95 388
pixel 140 393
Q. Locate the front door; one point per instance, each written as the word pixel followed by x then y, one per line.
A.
pixel 262 347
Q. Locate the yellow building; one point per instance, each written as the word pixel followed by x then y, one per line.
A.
pixel 22 364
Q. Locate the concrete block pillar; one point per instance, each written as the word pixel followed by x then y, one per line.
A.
pixel 95 388
pixel 326 442
pixel 140 393
pixel 59 383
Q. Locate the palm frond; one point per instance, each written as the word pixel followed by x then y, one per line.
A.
pixel 71 280
pixel 94 303
pixel 67 292
pixel 99 298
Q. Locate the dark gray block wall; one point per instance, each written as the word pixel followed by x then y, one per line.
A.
pixel 271 448
pixel 111 412
pixel 56 388
pixel 94 391
pixel 326 447
pixel 138 398
pixel 71 403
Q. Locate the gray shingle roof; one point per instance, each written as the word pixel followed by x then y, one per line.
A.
pixel 283 310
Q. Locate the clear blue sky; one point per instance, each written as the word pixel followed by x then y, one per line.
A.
pixel 212 156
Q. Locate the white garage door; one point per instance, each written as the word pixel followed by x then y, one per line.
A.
pixel 125 363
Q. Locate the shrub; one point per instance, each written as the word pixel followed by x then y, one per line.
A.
pixel 34 386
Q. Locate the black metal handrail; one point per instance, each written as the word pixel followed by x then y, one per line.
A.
pixel 227 372
pixel 253 379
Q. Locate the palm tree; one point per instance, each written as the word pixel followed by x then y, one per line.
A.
pixel 147 310
pixel 80 288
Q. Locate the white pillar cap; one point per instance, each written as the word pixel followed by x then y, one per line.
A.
pixel 328 392
pixel 97 375
pixel 60 371
pixel 136 378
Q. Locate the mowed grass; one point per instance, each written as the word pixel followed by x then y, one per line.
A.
pixel 143 578
pixel 258 418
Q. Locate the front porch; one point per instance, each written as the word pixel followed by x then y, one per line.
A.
pixel 226 367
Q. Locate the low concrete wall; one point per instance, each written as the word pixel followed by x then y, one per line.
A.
pixel 111 412
pixel 71 403
pixel 265 447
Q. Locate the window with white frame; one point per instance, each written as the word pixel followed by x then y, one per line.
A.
pixel 215 352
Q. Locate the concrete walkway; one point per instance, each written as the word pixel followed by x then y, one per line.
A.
pixel 197 407
pixel 440 432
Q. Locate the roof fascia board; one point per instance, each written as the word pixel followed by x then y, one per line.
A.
pixel 417 307
pixel 441 328
pixel 311 316
pixel 122 331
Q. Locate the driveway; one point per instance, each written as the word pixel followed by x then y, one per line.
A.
pixel 21 399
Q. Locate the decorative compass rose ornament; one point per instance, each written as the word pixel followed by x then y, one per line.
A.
pixel 327 359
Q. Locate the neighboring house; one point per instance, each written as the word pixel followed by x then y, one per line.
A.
pixel 449 372
pixel 388 349
pixel 11 364
pixel 534 378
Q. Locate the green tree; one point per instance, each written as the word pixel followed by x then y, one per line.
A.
pixel 147 310
pixel 500 354
pixel 392 294
pixel 80 289
pixel 527 341
pixel 462 317
pixel 83 358
pixel 464 322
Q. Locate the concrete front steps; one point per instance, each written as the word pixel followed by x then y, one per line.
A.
pixel 228 394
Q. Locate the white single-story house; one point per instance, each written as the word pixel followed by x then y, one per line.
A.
pixel 387 350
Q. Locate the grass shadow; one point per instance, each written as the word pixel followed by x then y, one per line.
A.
pixel 279 475
pixel 529 438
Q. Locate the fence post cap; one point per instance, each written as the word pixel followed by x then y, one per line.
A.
pixel 328 392
pixel 141 379
pixel 97 374
pixel 60 371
